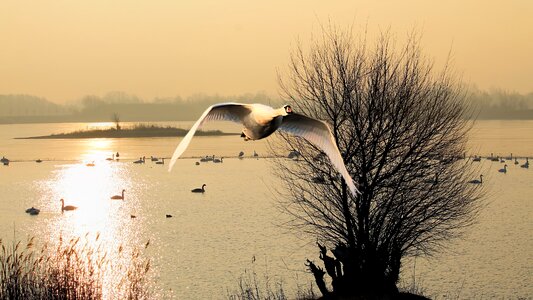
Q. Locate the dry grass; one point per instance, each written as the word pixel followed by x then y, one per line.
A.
pixel 72 270
pixel 251 286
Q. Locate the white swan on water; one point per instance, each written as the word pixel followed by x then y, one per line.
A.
pixel 475 181
pixel 260 121
pixel 33 211
pixel 200 190
pixel 118 197
pixel 67 207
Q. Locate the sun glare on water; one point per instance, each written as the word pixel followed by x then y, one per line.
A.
pixel 89 187
pixel 97 150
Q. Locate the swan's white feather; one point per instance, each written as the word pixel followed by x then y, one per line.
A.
pixel 318 133
pixel 229 111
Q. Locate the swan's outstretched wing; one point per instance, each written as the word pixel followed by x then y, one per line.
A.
pixel 318 133
pixel 222 111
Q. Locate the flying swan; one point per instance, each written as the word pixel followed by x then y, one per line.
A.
pixel 260 121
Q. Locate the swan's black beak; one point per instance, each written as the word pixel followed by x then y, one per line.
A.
pixel 288 109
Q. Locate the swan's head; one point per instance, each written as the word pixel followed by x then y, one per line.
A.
pixel 61 200
pixel 288 109
pixel 204 185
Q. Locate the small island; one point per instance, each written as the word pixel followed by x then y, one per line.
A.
pixel 136 131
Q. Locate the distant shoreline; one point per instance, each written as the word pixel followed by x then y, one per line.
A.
pixel 136 131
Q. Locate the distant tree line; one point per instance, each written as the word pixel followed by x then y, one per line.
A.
pixel 92 108
pixel 20 108
pixel 501 104
pixel 27 105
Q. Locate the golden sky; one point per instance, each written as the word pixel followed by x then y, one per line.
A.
pixel 65 49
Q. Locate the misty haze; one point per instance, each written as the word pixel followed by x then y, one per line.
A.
pixel 279 150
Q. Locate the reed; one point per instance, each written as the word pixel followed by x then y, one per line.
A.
pixel 251 286
pixel 71 270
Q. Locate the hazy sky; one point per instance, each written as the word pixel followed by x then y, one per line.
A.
pixel 63 50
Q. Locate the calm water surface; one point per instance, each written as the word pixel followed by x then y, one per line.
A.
pixel 212 238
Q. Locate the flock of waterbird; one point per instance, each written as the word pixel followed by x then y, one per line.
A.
pixel 160 161
pixel 260 121
pixel 502 160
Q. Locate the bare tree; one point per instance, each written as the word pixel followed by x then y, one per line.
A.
pixel 116 120
pixel 401 129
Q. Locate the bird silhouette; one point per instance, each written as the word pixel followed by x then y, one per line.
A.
pixel 33 211
pixel 475 181
pixel 199 190
pixel 67 207
pixel 118 197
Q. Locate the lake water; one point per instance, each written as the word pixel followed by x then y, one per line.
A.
pixel 212 238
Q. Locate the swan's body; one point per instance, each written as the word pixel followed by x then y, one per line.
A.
pixel 118 197
pixel 504 170
pixel 33 211
pixel 67 207
pixel 260 121
pixel 526 164
pixel 140 161
pixel 200 190
pixel 161 162
pixel 216 160
pixel 475 181
pixel 293 154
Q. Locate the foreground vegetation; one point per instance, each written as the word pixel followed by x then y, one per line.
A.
pixel 253 286
pixel 136 131
pixel 72 270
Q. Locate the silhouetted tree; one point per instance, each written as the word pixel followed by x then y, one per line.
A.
pixel 401 129
pixel 116 120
